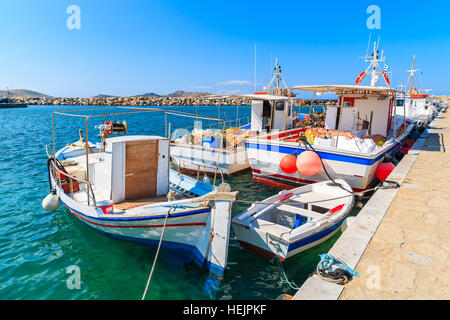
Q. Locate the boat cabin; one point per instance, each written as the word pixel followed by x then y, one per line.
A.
pixel 130 168
pixel 271 112
pixel 361 110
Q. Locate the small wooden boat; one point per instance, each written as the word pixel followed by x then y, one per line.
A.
pixel 295 220
pixel 123 187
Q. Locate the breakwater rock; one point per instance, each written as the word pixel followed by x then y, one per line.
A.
pixel 152 101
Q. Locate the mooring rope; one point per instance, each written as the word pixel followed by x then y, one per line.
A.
pixel 156 256
pixel 393 184
pixel 280 265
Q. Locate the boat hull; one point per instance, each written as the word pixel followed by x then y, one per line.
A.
pixel 357 169
pixel 12 105
pixel 188 230
pixel 252 240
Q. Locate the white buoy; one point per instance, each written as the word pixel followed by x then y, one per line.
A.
pixel 347 223
pixel 51 201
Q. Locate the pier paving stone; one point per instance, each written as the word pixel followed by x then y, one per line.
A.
pixel 408 257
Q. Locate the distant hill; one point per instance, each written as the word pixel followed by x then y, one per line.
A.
pixel 179 93
pixel 23 93
pixel 148 94
pixel 33 94
pixel 102 96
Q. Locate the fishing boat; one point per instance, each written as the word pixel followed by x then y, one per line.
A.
pixel 7 102
pixel 355 137
pixel 295 220
pixel 205 148
pixel 123 187
pixel 417 106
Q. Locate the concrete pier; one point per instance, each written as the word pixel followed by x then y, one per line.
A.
pixel 400 241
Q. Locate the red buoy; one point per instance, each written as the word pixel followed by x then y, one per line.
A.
pixel 308 163
pixel 384 169
pixel 288 164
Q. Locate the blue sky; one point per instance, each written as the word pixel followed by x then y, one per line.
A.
pixel 133 47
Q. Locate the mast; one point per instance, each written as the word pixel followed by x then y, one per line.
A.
pixel 374 59
pixel 412 74
pixel 277 80
pixel 374 79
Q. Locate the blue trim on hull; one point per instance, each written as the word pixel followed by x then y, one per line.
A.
pixel 315 237
pixel 322 154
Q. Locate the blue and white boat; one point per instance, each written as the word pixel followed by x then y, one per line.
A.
pixel 295 220
pixel 354 139
pixel 123 187
pixel 416 106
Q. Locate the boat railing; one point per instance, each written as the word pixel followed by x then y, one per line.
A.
pixel 71 178
pixel 225 124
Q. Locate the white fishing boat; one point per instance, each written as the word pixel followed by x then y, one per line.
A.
pixel 204 149
pixel 416 105
pixel 123 187
pixel 354 139
pixel 295 220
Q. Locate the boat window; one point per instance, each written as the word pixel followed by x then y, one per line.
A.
pixel 280 106
pixel 400 103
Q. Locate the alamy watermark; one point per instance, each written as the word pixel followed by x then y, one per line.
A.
pixel 374 20
pixel 373 277
pixel 74 20
pixel 74 280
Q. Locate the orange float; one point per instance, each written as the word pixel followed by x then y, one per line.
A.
pixel 308 163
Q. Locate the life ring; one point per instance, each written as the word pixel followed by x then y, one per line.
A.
pixel 386 78
pixel 360 78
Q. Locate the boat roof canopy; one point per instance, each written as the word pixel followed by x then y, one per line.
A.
pixel 342 89
pixel 266 97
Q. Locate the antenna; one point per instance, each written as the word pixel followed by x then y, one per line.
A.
pixel 255 66
pixel 368 45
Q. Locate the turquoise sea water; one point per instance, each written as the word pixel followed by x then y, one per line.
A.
pixel 37 247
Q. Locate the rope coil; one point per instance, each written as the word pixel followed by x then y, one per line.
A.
pixel 334 270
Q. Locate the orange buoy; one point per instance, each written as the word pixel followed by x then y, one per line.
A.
pixel 308 163
pixel 288 164
pixel 384 169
